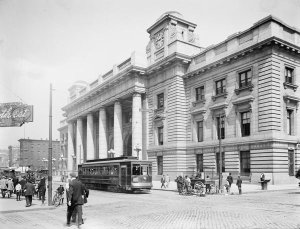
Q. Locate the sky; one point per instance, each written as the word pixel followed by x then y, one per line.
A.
pixel 62 41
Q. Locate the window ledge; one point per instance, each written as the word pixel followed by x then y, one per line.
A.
pixel 195 103
pixel 248 87
pixel 224 94
pixel 290 85
pixel 159 110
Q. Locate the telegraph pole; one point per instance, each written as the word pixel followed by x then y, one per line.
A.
pixel 220 153
pixel 50 152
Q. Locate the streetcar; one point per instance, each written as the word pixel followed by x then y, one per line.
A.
pixel 116 174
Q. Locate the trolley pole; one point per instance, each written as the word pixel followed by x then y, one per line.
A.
pixel 220 153
pixel 50 152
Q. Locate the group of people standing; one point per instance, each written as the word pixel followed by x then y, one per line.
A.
pixel 230 181
pixel 23 187
pixel 165 181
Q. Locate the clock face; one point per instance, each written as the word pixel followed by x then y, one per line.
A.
pixel 159 40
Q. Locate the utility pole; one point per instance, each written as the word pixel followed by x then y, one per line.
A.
pixel 220 153
pixel 50 152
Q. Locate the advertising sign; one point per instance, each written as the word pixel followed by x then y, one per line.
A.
pixel 15 114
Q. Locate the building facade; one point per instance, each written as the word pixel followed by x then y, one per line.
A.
pixel 14 156
pixel 34 154
pixel 174 105
pixel 63 130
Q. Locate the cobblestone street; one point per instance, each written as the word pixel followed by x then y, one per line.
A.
pixel 166 209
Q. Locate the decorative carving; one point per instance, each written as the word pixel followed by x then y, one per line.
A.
pixel 159 39
pixel 191 37
pixel 148 47
pixel 173 31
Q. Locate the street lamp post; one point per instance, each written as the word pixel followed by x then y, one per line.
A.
pixel 50 151
pixel 220 153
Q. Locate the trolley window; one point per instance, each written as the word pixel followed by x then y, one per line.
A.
pixel 138 169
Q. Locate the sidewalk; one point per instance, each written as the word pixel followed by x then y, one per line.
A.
pixel 246 188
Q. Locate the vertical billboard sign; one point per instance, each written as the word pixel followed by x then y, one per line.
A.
pixel 15 114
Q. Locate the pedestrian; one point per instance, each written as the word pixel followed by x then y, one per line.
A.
pixel 167 181
pixel 22 183
pixel 42 190
pixel 187 183
pixel 18 189
pixel 3 186
pixel 60 191
pixel 10 187
pixel 75 199
pixel 239 184
pixel 162 181
pixel 262 177
pixel 230 181
pixel 29 191
pixel 180 183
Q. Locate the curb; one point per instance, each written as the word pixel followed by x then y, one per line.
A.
pixel 27 210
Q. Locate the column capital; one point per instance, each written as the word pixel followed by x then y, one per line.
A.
pixel 136 94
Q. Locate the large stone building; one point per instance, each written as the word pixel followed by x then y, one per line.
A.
pixel 34 154
pixel 174 105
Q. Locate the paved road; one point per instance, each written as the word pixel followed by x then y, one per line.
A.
pixel 168 210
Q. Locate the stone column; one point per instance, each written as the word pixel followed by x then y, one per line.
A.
pixel 79 141
pixel 90 150
pixel 118 139
pixel 102 133
pixel 137 125
pixel 70 147
pixel 145 123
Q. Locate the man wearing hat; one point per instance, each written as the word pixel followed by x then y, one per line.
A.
pixel 29 190
pixel 75 198
pixel 10 187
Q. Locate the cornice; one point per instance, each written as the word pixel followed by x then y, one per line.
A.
pixel 272 40
pixel 106 84
pixel 185 59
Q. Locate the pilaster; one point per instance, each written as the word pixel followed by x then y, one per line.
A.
pixel 70 147
pixel 118 141
pixel 137 125
pixel 102 133
pixel 79 142
pixel 90 150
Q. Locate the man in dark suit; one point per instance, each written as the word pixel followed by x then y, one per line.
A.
pixel 29 191
pixel 75 198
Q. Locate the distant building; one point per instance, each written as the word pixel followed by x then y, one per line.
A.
pixel 34 154
pixel 63 130
pixel 172 106
pixel 4 158
pixel 14 156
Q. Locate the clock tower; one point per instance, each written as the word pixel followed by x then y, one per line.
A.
pixel 171 33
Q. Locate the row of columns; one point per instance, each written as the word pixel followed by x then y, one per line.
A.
pixel 103 138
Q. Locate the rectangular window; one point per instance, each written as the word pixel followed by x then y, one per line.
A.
pixel 289 123
pixel 200 131
pixel 220 86
pixel 245 123
pixel 199 162
pixel 160 135
pixel 291 161
pixel 159 165
pixel 199 93
pixel 160 100
pixel 245 163
pixel 221 127
pixel 245 78
pixel 218 162
pixel 289 75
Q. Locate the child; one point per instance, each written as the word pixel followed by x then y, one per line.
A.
pixel 18 191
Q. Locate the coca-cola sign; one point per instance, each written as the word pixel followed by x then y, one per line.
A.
pixel 15 114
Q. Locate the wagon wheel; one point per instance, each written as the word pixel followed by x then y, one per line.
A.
pixel 199 188
pixel 213 189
